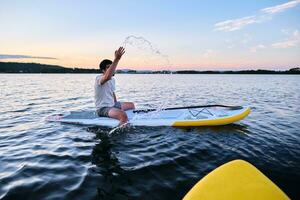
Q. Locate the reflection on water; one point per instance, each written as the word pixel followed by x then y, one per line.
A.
pixel 108 166
pixel 41 160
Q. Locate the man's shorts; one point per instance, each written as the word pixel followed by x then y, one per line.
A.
pixel 103 112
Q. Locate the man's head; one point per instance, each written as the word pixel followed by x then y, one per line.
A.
pixel 104 65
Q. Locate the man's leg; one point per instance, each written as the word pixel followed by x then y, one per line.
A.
pixel 127 106
pixel 118 114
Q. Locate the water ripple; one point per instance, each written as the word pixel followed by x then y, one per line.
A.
pixel 41 160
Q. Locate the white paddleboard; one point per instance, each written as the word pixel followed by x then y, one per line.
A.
pixel 211 115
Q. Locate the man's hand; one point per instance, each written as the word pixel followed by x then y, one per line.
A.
pixel 119 53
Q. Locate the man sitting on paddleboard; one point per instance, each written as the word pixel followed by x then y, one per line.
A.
pixel 105 97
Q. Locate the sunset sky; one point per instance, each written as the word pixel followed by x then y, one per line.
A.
pixel 191 34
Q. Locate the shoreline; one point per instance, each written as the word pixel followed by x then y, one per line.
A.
pixel 37 68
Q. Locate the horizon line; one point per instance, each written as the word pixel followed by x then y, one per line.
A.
pixel 128 69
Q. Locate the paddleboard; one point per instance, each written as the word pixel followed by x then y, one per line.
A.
pixel 235 180
pixel 210 115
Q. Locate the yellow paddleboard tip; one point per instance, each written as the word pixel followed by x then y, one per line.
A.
pixel 235 180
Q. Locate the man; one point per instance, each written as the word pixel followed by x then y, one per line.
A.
pixel 105 97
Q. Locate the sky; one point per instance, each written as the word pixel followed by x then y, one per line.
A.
pixel 169 34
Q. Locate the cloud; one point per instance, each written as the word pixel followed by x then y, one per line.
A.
pixel 209 53
pixel 235 24
pixel 246 38
pixel 286 44
pixel 230 46
pixel 292 41
pixel 280 8
pixel 9 56
pixel 296 33
pixel 255 48
pixel 264 15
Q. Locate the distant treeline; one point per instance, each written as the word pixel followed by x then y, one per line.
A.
pixel 259 71
pixel 14 67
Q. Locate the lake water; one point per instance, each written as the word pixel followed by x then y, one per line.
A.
pixel 42 160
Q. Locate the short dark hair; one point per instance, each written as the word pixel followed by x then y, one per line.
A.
pixel 104 64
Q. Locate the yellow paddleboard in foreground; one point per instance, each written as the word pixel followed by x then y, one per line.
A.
pixel 235 180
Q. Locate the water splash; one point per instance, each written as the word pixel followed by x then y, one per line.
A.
pixel 119 128
pixel 146 46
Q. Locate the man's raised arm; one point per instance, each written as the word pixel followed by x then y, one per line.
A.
pixel 111 70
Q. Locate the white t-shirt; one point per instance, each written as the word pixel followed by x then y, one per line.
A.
pixel 104 94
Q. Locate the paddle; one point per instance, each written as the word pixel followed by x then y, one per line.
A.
pixel 188 107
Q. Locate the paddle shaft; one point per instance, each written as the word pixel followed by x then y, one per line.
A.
pixel 187 107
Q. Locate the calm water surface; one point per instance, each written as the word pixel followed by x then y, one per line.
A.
pixel 41 160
